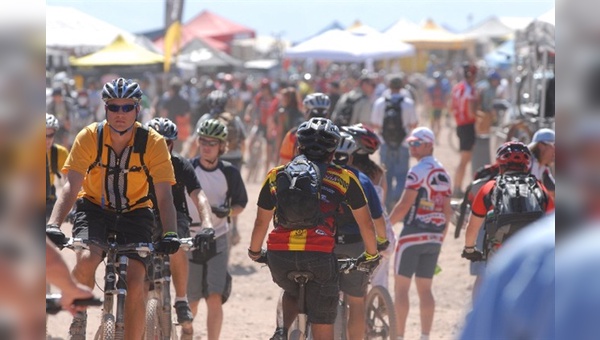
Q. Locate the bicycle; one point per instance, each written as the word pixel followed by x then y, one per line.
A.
pixel 380 314
pixel 159 322
pixel 112 326
pixel 450 124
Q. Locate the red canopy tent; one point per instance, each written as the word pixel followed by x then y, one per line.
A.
pixel 213 29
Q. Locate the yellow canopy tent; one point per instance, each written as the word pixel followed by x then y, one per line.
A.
pixel 430 37
pixel 119 52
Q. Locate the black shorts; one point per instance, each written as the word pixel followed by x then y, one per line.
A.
pixel 322 292
pixel 419 260
pixel 183 227
pixel 466 136
pixel 94 223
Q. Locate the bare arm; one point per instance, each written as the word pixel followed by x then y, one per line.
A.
pixel 164 200
pixel 57 273
pixel 367 228
pixel 473 227
pixel 67 197
pixel 380 228
pixel 236 210
pixel 201 203
pixel 403 206
pixel 261 226
pixel 448 212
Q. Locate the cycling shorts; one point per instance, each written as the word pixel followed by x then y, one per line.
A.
pixel 419 260
pixel 466 136
pixel 322 292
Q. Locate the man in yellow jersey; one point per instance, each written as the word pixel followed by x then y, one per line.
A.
pixel 115 163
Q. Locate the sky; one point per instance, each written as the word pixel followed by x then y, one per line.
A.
pixel 298 19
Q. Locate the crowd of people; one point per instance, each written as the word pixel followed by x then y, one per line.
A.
pixel 163 168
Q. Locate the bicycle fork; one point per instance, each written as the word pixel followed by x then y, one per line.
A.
pixel 121 295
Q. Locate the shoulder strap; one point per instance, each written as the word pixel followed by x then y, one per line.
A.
pixel 99 132
pixel 54 160
pixel 139 146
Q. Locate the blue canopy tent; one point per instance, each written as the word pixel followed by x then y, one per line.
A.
pixel 503 57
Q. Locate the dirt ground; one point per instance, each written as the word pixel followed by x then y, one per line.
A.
pixel 250 311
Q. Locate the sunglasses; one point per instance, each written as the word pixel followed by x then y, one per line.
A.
pixel 207 142
pixel 50 135
pixel 125 108
pixel 415 143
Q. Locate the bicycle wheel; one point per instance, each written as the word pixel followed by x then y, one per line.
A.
pixel 380 314
pixel 153 330
pixel 341 320
pixel 106 331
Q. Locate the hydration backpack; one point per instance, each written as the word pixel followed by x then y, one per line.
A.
pixel 234 135
pixel 518 201
pixel 298 194
pixel 392 128
pixel 344 115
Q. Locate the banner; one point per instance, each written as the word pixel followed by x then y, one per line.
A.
pixel 172 37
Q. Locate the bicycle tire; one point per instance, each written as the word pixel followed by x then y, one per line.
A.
pixel 153 330
pixel 341 321
pixel 296 334
pixel 106 331
pixel 166 322
pixel 379 307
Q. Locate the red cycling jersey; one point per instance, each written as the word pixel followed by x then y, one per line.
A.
pixel 463 97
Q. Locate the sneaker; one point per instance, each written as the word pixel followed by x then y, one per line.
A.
pixel 280 334
pixel 77 329
pixel 184 313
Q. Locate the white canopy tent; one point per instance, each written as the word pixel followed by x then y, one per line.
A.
pixel 69 28
pixel 343 46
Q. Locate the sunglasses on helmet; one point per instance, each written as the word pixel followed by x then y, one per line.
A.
pixel 125 108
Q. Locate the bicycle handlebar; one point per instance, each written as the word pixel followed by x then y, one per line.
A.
pixel 53 305
pixel 142 248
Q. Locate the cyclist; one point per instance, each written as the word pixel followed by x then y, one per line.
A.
pixel 315 105
pixel 425 209
pixel 56 155
pixel 348 239
pixel 512 158
pixel 463 107
pixel 312 249
pixel 437 99
pixel 367 143
pixel 236 136
pixel 115 196
pixel 223 185
pixel 186 182
pixel 542 149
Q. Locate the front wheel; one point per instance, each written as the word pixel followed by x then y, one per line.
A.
pixel 106 331
pixel 153 329
pixel 380 314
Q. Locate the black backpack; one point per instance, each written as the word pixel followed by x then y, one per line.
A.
pixel 518 201
pixel 345 113
pixel 392 128
pixel 298 194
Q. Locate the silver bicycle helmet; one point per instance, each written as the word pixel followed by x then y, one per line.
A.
pixel 213 128
pixel 318 137
pixel 317 104
pixel 164 126
pixel 345 149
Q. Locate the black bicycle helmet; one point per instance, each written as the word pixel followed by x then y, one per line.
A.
pixel 121 88
pixel 318 137
pixel 217 99
pixel 164 126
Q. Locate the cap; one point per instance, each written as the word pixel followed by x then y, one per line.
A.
pixel 422 133
pixel 542 135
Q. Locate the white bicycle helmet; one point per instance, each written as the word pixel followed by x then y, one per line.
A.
pixel 51 122
pixel 121 88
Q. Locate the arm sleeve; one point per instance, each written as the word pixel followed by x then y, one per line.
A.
pixel 409 114
pixel 481 203
pixel 237 189
pixel 83 152
pixel 190 180
pixel 377 114
pixel 372 198
pixel 355 196
pixel 412 180
pixel 266 199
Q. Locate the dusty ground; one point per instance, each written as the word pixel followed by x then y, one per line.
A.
pixel 250 311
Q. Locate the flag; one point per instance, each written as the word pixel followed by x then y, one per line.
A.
pixel 172 37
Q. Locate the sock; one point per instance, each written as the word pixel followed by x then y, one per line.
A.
pixel 424 337
pixel 184 298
